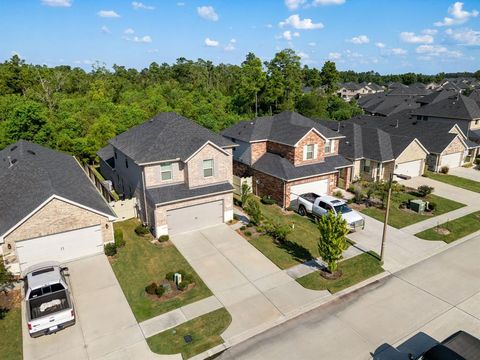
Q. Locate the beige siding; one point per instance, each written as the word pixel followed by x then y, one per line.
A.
pixel 222 168
pixel 413 152
pixel 475 124
pixel 455 146
pixel 153 176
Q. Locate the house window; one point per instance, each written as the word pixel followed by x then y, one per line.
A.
pixel 309 149
pixel 366 166
pixel 166 172
pixel 208 168
pixel 328 146
pixel 126 163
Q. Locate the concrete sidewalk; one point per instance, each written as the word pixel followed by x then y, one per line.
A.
pixel 178 316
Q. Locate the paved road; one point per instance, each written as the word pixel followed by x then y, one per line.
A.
pixel 434 298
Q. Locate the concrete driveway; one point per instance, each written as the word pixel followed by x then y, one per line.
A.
pixel 253 289
pixel 106 327
pixel 467 173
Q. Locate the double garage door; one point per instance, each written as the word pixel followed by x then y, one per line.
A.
pixel 318 187
pixel 410 168
pixel 62 247
pixel 195 217
pixel 452 160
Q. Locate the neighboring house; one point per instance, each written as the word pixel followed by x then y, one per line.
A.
pixel 384 104
pixel 287 155
pixel 50 211
pixel 351 90
pixel 180 173
pixel 447 145
pixel 376 154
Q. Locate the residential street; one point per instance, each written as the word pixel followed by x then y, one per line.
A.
pixel 438 296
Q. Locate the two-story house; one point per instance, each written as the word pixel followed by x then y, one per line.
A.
pixel 287 155
pixel 179 171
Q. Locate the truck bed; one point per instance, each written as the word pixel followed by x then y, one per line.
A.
pixel 48 304
pixel 309 197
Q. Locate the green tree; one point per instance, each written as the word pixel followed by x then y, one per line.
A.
pixel 245 193
pixel 332 243
pixel 253 209
pixel 329 77
pixel 252 81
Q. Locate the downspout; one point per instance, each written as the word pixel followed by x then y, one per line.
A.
pixel 284 194
pixel 145 196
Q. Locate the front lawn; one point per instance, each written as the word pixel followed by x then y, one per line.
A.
pixel 204 330
pixel 400 218
pixel 457 181
pixel 301 244
pixel 453 230
pixel 140 263
pixel 11 334
pixel 354 270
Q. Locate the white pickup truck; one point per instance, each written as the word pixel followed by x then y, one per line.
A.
pixel 311 203
pixel 48 305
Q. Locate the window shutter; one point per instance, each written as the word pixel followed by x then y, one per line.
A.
pixel 315 151
pixel 304 152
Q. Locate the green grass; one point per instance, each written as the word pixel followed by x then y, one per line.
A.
pixel 11 335
pixel 355 270
pixel 458 228
pixel 399 218
pixel 140 263
pixel 205 331
pixel 301 244
pixel 457 181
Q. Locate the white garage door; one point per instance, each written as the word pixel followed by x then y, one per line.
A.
pixel 411 168
pixel 451 160
pixel 60 247
pixel 317 187
pixel 195 217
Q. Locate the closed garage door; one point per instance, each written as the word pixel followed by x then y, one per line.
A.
pixel 411 168
pixel 195 217
pixel 451 160
pixel 60 247
pixel 317 187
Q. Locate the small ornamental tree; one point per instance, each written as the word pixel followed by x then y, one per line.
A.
pixel 332 243
pixel 245 192
pixel 252 208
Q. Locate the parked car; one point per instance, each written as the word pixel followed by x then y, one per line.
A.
pixel 458 346
pixel 316 205
pixel 48 303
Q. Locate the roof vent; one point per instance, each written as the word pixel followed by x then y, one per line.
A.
pixel 31 152
pixel 396 125
pixel 11 161
pixel 13 148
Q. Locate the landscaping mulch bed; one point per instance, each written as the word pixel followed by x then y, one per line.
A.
pixel 10 299
pixel 442 231
pixel 172 293
pixel 331 276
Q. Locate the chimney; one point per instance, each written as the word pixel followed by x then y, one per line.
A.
pixel 338 127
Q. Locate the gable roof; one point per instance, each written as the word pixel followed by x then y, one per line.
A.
pixel 436 96
pixel 475 95
pixel 286 128
pixel 37 174
pixel 457 106
pixel 166 136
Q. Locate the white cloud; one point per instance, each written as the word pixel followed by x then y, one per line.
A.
pixel 105 29
pixel 334 56
pixel 359 40
pixel 458 15
pixel 108 14
pixel 269 26
pixel 57 3
pixel 180 4
pixel 437 50
pixel 412 38
pixel 207 13
pixel 312 44
pixel 399 51
pixel 328 2
pixel 467 37
pixel 303 56
pixel 142 39
pixel 231 45
pixel 294 4
pixel 380 45
pixel 84 62
pixel 211 43
pixel 138 5
pixel 129 31
pixel 288 35
pixel 153 51
pixel 297 23
pixel 430 32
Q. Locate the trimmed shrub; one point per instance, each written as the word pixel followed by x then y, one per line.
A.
pixel 432 206
pixel 250 224
pixel 351 189
pixel 338 194
pixel 163 238
pixel 252 208
pixel 182 286
pixel 267 200
pixel 159 291
pixel 151 289
pixel 141 230
pixel 477 161
pixel 186 277
pixel 110 249
pixel 277 230
pixel 242 228
pixel 424 190
pixel 444 169
pixel 170 276
pixel 248 233
pixel 118 236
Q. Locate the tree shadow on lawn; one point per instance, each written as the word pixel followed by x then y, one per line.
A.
pixel 298 252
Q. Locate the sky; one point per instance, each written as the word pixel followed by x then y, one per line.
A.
pixel 388 36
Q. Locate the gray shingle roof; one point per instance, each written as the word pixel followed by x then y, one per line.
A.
pixel 175 193
pixel 436 96
pixel 275 165
pixel 455 107
pixel 286 128
pixel 166 136
pixel 36 175
pixel 475 95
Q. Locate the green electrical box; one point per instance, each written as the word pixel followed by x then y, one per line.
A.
pixel 417 206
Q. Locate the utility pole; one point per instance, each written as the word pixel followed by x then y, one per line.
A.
pixel 387 213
